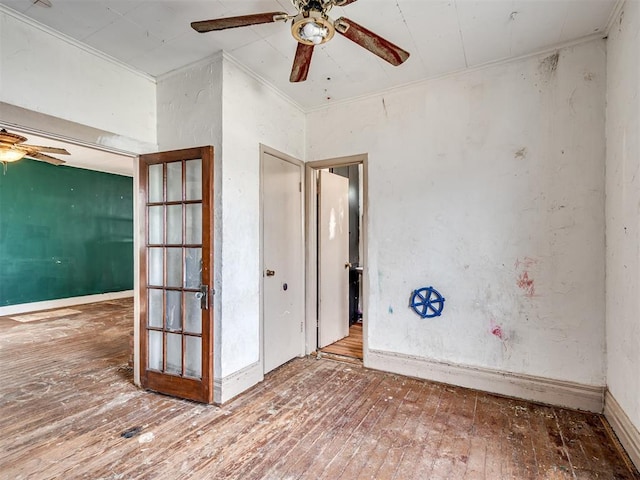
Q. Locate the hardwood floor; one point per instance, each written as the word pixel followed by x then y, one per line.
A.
pixel 67 398
pixel 350 346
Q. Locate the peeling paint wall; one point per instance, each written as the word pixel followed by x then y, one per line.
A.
pixel 253 113
pixel 623 210
pixel 489 186
pixel 44 73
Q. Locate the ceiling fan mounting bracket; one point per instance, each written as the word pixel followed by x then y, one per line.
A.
pixel 323 6
pixel 341 26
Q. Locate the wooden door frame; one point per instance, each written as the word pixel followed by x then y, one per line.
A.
pixel 311 251
pixel 168 383
pixel 264 149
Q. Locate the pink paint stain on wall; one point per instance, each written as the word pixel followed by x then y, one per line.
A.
pixel 497 331
pixel 527 284
pixel 526 262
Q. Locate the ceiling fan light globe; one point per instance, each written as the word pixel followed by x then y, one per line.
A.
pixel 313 29
pixel 310 30
pixel 10 155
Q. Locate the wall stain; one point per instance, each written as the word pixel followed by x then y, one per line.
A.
pixel 549 65
pixel 527 284
pixel 522 153
pixel 526 262
pixel 497 332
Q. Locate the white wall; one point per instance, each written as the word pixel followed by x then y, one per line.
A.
pixel 190 115
pixel 46 73
pixel 218 103
pixel 489 186
pixel 623 209
pixel 253 114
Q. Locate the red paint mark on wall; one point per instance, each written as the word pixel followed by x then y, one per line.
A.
pixel 497 331
pixel 526 284
pixel 526 262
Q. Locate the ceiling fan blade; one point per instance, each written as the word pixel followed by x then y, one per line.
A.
pixel 371 41
pixel 241 21
pixel 301 63
pixel 46 158
pixel 344 3
pixel 38 148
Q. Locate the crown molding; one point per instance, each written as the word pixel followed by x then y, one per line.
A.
pixel 615 14
pixel 463 71
pixel 231 59
pixel 208 60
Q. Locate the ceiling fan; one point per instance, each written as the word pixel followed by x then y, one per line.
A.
pixel 312 26
pixel 13 148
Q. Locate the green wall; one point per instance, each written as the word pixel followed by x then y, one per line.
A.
pixel 64 232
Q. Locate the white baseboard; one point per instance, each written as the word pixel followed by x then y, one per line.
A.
pixel 527 387
pixel 228 387
pixel 62 302
pixel 626 431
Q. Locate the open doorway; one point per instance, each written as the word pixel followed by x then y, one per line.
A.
pixel 336 256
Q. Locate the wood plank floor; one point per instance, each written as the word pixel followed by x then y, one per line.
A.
pixel 66 398
pixel 350 346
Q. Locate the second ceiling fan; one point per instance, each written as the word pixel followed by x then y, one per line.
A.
pixel 312 26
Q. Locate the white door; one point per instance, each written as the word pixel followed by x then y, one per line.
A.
pixel 333 258
pixel 283 263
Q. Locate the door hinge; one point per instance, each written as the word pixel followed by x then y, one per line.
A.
pixel 301 327
pixel 300 187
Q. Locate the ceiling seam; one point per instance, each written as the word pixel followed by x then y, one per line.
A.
pixel 464 50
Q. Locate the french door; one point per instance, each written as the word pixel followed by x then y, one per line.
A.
pixel 176 265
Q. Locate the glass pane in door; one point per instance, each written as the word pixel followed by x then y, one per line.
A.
pixel 174 353
pixel 193 224
pixel 174 267
pixel 154 308
pixel 194 180
pixel 174 224
pixel 174 182
pixel 192 313
pixel 156 224
pixel 155 350
pixel 155 268
pixel 173 311
pixel 193 356
pixel 155 183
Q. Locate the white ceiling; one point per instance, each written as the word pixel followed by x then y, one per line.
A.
pixel 155 37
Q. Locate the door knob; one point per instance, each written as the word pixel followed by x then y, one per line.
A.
pixel 270 273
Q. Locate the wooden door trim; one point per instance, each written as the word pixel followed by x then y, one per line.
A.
pixel 165 383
